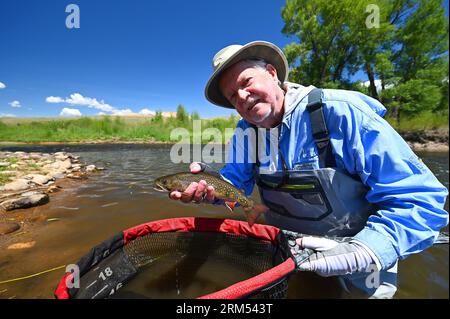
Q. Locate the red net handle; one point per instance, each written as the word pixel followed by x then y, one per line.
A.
pixel 245 287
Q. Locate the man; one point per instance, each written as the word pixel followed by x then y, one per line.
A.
pixel 339 170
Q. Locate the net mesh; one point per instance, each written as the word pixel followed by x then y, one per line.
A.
pixel 191 264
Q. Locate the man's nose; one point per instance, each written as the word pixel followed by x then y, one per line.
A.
pixel 242 95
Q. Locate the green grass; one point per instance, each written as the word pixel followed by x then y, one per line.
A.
pixel 32 166
pixel 87 129
pixel 4 178
pixel 12 160
pixel 101 128
pixel 424 121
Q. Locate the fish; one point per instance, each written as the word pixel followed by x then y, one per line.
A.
pixel 222 190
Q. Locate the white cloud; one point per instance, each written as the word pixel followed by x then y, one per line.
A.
pixel 105 108
pixel 123 112
pixel 54 99
pixel 15 103
pixel 147 112
pixel 80 100
pixel 7 115
pixel 2 85
pixel 70 112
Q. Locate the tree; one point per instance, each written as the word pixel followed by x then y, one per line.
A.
pixel 195 116
pixel 407 40
pixel 426 92
pixel 157 118
pixel 325 46
pixel 422 39
pixel 182 116
pixel 335 40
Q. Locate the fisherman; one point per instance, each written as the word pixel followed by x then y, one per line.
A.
pixel 339 170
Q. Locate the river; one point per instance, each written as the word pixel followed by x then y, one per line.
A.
pixel 88 212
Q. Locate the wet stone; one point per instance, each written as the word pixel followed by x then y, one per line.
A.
pixel 38 178
pixel 17 185
pixel 90 168
pixel 25 202
pixel 26 245
pixel 8 227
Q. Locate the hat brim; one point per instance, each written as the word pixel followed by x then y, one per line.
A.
pixel 253 50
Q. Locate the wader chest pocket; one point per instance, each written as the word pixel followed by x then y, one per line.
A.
pixel 304 201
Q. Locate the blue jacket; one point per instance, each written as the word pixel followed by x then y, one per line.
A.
pixel 409 196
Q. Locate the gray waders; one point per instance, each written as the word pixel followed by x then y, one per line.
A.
pixel 324 202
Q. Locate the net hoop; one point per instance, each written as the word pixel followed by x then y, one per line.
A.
pixel 240 289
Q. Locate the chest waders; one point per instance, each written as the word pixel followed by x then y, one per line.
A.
pixel 325 201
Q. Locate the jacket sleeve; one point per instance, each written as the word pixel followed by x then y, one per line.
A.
pixel 409 196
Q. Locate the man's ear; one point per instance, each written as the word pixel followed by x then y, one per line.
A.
pixel 272 71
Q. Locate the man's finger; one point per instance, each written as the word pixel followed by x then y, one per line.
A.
pixel 306 266
pixel 175 195
pixel 252 215
pixel 198 195
pixel 317 243
pixel 188 193
pixel 210 194
pixel 195 167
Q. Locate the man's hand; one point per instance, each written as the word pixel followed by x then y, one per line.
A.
pixel 196 192
pixel 332 258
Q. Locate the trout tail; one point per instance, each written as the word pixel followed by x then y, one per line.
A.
pixel 253 213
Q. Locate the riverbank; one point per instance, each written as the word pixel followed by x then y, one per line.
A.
pixel 421 141
pixel 19 227
pixel 28 179
pixel 427 140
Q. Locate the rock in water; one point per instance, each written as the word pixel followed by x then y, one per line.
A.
pixel 25 202
pixel 17 185
pixel 22 245
pixel 38 178
pixel 90 168
pixel 7 227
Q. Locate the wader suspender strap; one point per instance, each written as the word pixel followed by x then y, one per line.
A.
pixel 258 164
pixel 319 129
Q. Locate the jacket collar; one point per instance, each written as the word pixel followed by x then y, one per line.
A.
pixel 294 95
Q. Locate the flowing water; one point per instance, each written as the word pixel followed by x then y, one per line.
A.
pixel 88 212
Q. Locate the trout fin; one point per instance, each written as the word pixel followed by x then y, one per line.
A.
pixel 230 205
pixel 253 214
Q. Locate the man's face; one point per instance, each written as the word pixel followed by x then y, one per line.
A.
pixel 254 93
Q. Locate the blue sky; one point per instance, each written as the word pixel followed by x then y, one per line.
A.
pixel 126 55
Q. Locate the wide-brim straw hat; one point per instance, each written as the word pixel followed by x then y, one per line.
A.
pixel 236 53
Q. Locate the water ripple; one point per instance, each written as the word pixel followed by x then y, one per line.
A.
pixel 90 196
pixel 110 204
pixel 68 208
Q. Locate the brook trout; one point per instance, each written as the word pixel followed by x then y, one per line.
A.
pixel 222 190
